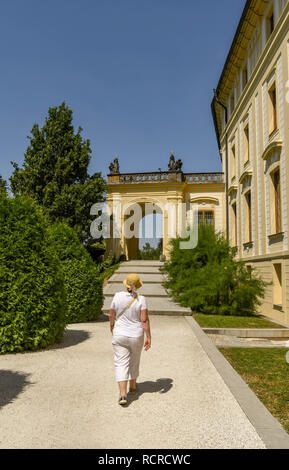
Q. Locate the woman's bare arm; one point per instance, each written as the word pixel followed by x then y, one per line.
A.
pixel 112 318
pixel 146 326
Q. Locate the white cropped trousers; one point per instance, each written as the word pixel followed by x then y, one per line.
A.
pixel 127 352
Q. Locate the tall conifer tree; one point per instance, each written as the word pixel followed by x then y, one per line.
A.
pixel 55 172
pixel 3 186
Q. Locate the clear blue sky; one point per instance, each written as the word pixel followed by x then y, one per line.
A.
pixel 138 75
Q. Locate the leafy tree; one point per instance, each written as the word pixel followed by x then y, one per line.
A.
pixel 32 295
pixel 3 186
pixel 55 172
pixel 210 280
pixel 82 277
pixel 150 253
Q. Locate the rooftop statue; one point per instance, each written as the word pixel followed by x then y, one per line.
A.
pixel 114 166
pixel 175 165
pixel 179 165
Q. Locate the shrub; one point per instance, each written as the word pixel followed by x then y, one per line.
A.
pixel 210 280
pixel 83 281
pixel 107 267
pixel 32 295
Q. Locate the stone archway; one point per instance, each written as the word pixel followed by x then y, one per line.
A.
pixel 122 206
pixel 131 245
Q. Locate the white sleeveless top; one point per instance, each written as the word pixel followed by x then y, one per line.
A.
pixel 129 324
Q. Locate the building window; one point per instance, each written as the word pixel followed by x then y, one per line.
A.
pixel 272 108
pixel 246 144
pixel 248 218
pixel 234 224
pixel 225 118
pixel 276 202
pixel 282 4
pixel 244 77
pixel 206 217
pixel 232 103
pixel 270 23
pixel 233 161
pixel 277 285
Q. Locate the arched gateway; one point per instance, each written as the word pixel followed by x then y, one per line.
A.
pixel 140 194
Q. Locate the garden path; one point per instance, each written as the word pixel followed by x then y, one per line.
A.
pixel 66 397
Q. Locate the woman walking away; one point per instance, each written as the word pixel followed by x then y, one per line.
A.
pixel 128 322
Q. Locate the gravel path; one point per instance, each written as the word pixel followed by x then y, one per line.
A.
pixel 67 397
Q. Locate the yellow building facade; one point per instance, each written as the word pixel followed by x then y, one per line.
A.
pixel 251 115
pixel 173 194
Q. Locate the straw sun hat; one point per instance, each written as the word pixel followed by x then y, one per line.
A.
pixel 133 280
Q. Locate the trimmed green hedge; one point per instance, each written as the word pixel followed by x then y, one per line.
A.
pixel 83 281
pixel 32 294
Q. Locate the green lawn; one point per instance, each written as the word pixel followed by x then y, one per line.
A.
pixel 267 374
pixel 225 321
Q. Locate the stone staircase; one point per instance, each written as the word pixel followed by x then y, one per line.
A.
pixel 158 300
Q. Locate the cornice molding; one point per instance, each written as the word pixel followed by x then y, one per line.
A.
pixel 232 189
pixel 205 199
pixel 247 174
pixel 271 147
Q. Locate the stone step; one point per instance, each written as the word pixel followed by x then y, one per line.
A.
pixel 169 313
pixel 138 269
pixel 158 300
pixel 156 305
pixel 142 263
pixel 249 332
pixel 146 278
pixel 149 290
